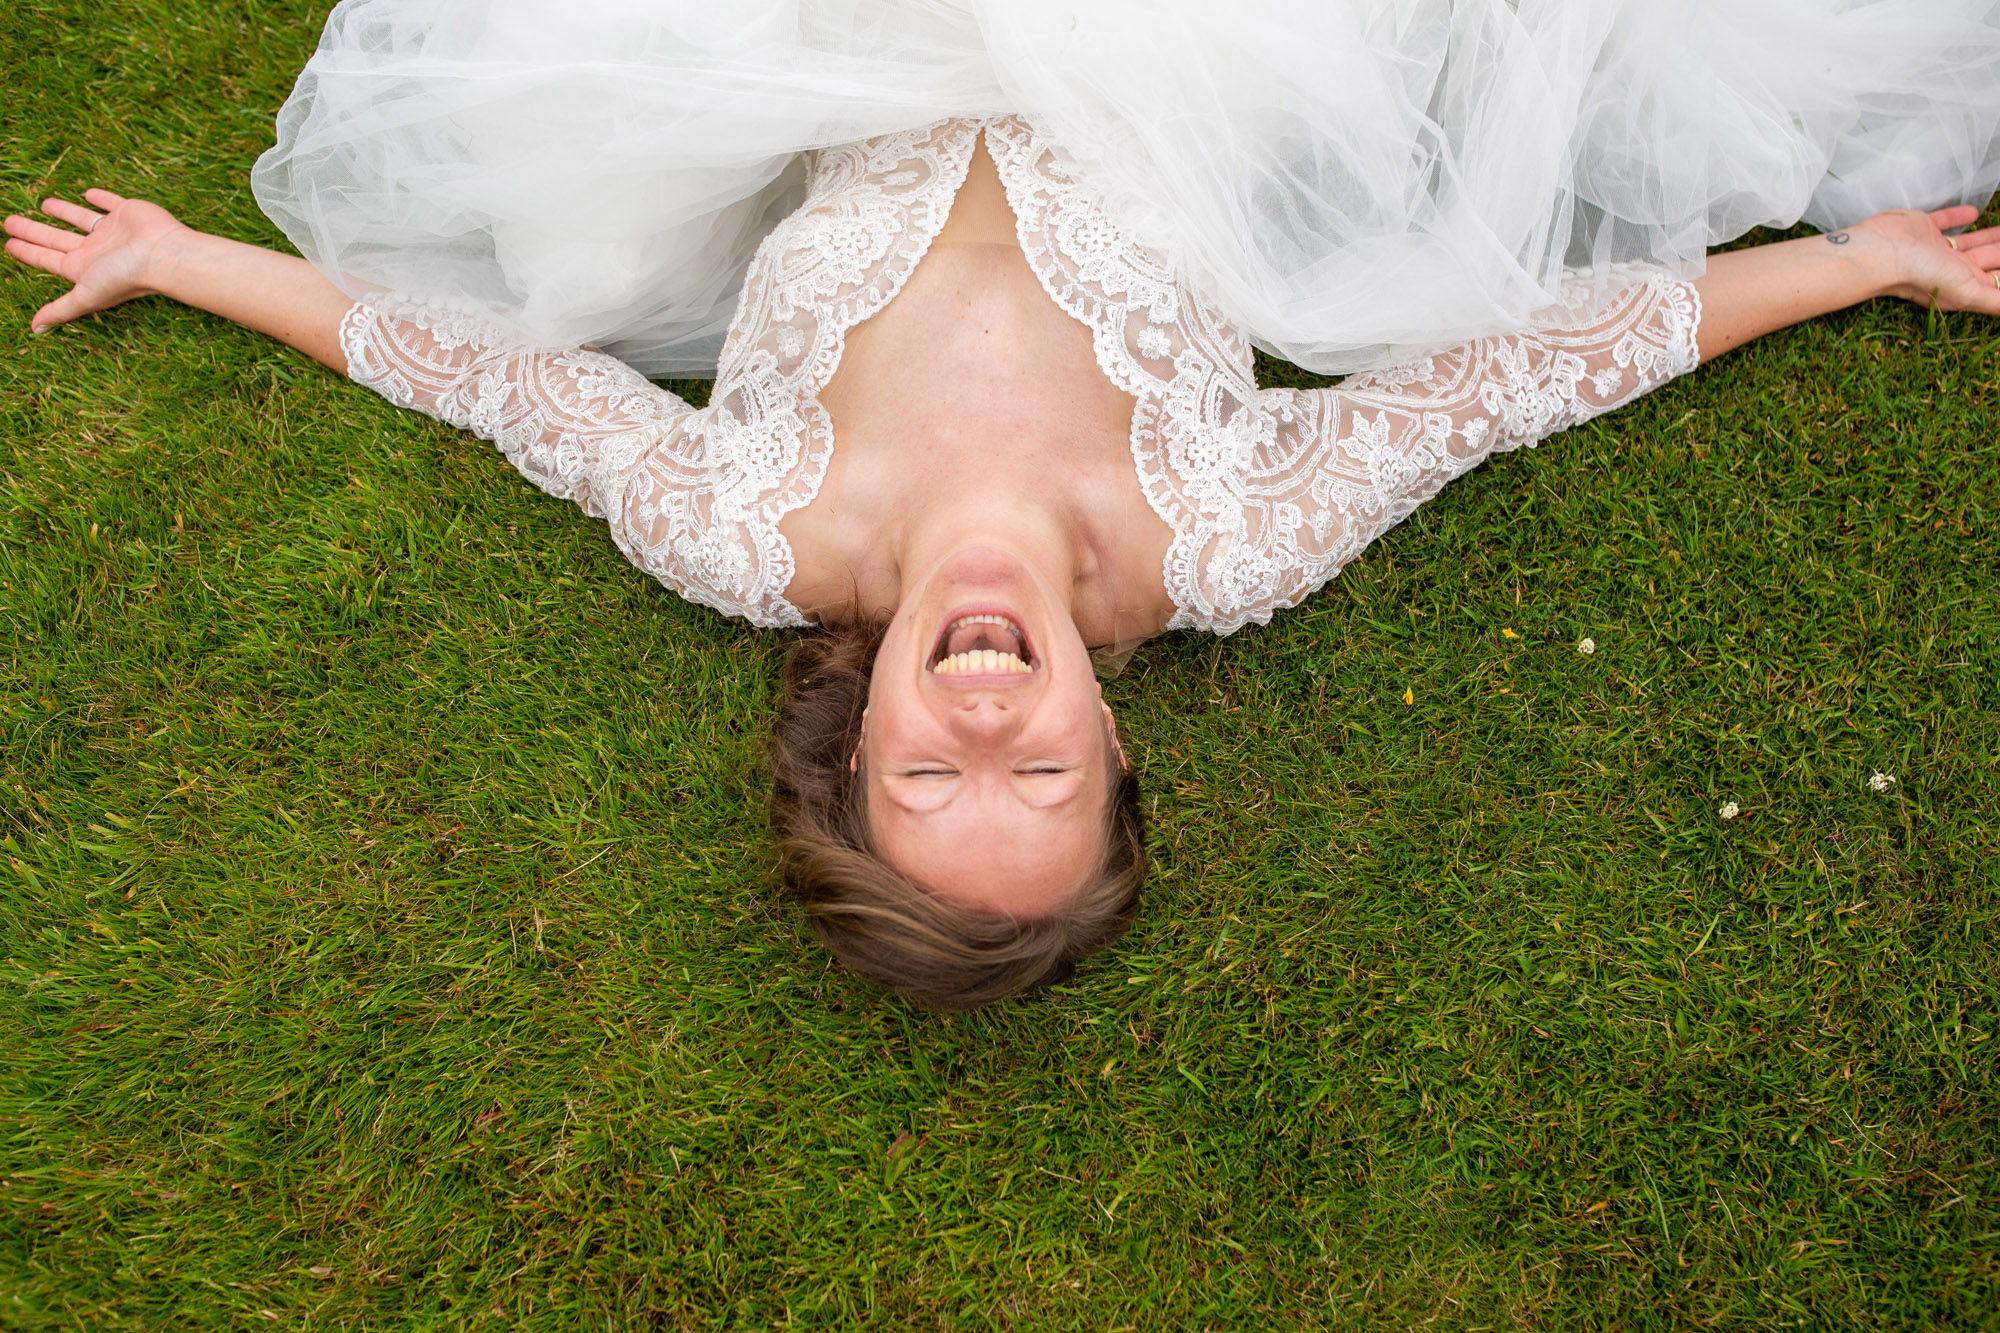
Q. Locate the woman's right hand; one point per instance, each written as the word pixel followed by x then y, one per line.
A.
pixel 111 257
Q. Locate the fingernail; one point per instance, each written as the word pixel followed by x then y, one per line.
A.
pixel 38 332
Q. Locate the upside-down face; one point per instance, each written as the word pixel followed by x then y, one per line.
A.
pixel 986 746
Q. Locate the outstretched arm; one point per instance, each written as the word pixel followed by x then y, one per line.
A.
pixel 1748 293
pixel 133 248
pixel 570 420
pixel 580 425
pixel 1345 464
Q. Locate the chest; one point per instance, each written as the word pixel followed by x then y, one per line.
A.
pixel 973 381
pixel 953 324
pixel 972 375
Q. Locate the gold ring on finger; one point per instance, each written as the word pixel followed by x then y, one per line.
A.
pixel 1951 241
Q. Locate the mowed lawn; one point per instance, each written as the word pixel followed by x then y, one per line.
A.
pixel 390 937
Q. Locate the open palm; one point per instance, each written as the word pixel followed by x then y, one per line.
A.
pixel 108 258
pixel 1954 274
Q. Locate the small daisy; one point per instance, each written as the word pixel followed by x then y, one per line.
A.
pixel 1586 646
pixel 1729 810
pixel 1881 782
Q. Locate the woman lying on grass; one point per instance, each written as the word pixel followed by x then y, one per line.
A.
pixel 1036 362
pixel 951 795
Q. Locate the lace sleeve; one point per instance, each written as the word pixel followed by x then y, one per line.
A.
pixel 1344 465
pixel 582 426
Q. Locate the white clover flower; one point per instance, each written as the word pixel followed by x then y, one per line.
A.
pixel 1728 810
pixel 1586 646
pixel 1881 782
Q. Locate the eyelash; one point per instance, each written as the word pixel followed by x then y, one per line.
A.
pixel 1046 771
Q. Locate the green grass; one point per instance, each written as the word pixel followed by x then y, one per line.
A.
pixel 389 934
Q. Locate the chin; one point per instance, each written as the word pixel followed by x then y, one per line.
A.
pixel 983 568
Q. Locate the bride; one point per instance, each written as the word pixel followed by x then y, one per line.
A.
pixel 984 403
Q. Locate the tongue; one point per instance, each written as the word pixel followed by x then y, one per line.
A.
pixel 972 638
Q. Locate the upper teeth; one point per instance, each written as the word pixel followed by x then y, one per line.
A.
pixel 982 660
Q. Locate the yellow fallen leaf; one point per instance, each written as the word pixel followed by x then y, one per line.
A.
pixel 1410 695
pixel 1508 634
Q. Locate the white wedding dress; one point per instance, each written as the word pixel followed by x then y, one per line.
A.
pixel 1353 183
pixel 1265 492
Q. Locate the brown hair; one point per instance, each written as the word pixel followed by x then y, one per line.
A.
pixel 877 920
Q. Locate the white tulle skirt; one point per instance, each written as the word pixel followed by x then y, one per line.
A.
pixel 1352 180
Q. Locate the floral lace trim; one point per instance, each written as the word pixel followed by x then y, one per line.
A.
pixel 1347 464
pixel 1200 420
pixel 693 497
pixel 581 425
pixel 1265 495
pixel 871 212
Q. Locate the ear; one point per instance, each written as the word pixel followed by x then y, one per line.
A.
pixel 861 737
pixel 1117 746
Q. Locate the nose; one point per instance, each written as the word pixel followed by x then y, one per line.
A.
pixel 985 719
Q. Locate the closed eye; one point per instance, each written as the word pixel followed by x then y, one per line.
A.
pixel 1035 771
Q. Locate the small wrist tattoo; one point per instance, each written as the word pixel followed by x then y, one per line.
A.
pixel 1838 238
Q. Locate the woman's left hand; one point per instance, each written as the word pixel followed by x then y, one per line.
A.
pixel 1933 270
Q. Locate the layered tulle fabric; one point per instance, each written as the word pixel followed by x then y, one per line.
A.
pixel 1354 181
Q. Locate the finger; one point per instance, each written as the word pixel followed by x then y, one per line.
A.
pixel 36 256
pixel 1987 300
pixel 42 234
pixel 69 305
pixel 104 199
pixel 1973 240
pixel 1981 257
pixel 1957 215
pixel 75 214
pixel 1981 295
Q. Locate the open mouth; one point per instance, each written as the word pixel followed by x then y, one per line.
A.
pixel 983 644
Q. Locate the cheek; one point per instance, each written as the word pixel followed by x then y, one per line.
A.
pixel 899 840
pixel 894 674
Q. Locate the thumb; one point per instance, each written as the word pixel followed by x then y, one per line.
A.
pixel 70 305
